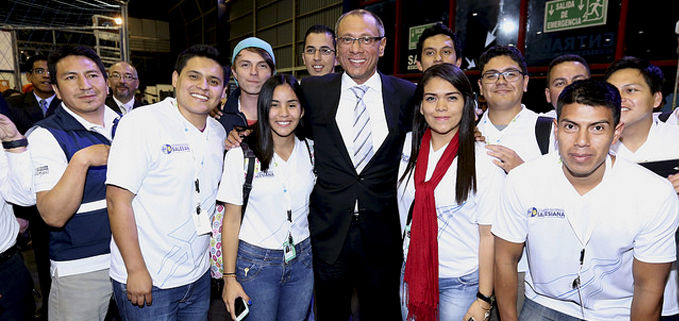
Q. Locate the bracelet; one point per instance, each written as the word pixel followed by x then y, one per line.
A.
pixel 15 143
pixel 226 275
pixel 484 298
pixel 482 307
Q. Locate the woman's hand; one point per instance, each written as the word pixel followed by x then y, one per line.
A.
pixel 477 311
pixel 232 290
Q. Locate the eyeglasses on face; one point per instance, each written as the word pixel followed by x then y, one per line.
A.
pixel 364 41
pixel 127 77
pixel 511 75
pixel 324 51
pixel 40 71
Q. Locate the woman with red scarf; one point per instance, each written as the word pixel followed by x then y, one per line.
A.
pixel 451 187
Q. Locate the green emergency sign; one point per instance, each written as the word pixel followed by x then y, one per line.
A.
pixel 414 34
pixel 573 14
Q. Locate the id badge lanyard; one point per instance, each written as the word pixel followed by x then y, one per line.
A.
pixel 289 243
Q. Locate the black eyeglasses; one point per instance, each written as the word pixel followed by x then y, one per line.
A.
pixel 40 71
pixel 364 41
pixel 324 51
pixel 511 75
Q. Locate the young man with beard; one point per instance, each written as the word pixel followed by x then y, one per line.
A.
pixel 123 81
pixel 598 247
pixel 163 172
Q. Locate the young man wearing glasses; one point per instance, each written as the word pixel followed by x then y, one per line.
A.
pixel 599 247
pixel 319 50
pixel 509 127
pixel 123 81
pixel 353 219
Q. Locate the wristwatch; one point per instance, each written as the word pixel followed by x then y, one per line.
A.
pixel 15 143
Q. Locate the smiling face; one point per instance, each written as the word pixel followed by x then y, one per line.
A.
pixel 199 88
pixel 359 61
pixel 503 94
pixel 41 83
pixel 637 99
pixel 561 76
pixel 251 71
pixel 80 84
pixel 584 136
pixel 438 49
pixel 285 111
pixel 318 64
pixel 442 107
pixel 123 89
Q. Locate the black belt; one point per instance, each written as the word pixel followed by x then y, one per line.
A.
pixel 8 254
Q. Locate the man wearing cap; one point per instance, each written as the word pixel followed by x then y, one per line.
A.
pixel 252 64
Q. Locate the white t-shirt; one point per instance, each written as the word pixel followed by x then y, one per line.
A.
pixel 674 118
pixel 285 185
pixel 16 187
pixel 158 155
pixel 458 224
pixel 662 143
pixel 615 223
pixel 50 164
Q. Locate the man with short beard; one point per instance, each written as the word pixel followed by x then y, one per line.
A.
pixel 123 81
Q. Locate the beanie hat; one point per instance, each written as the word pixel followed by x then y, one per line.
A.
pixel 252 42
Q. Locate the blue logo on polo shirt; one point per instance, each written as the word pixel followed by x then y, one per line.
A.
pixel 546 212
pixel 167 148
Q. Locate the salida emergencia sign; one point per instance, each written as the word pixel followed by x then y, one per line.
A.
pixel 573 14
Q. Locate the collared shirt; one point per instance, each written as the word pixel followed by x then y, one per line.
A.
pixel 48 100
pixel 124 108
pixel 375 106
pixel 16 186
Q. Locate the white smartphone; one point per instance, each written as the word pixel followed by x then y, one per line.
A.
pixel 242 309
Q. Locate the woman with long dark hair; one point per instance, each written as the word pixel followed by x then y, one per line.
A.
pixel 450 186
pixel 267 256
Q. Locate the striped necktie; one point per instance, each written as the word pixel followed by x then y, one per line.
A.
pixel 363 145
pixel 43 106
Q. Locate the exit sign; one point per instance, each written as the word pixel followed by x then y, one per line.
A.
pixel 573 14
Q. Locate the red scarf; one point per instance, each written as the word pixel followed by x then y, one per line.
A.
pixel 422 265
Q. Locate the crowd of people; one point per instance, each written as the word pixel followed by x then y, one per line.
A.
pixel 292 196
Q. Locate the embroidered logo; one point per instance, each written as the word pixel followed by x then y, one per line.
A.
pixel 175 148
pixel 42 170
pixel 546 212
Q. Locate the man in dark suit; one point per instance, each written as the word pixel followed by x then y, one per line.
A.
pixel 123 82
pixel 354 221
pixel 28 108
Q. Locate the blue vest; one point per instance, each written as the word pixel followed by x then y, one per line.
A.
pixel 86 233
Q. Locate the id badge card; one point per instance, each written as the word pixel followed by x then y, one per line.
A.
pixel 289 250
pixel 202 223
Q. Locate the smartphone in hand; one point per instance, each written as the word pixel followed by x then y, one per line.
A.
pixel 242 309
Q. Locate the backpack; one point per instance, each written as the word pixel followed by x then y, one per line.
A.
pixel 543 127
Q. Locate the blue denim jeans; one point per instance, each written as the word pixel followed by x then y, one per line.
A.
pixel 456 295
pixel 533 311
pixel 188 302
pixel 278 291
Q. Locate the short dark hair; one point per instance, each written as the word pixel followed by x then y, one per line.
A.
pixel 31 61
pixel 321 29
pixel 652 74
pixel 204 51
pixel 566 58
pixel 438 29
pixel 591 92
pixel 261 139
pixel 72 50
pixel 508 51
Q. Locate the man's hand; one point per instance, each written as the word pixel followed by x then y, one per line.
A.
pixel 478 136
pixel 8 131
pixel 217 112
pixel 232 290
pixel 674 179
pixel 139 285
pixel 95 155
pixel 235 138
pixel 507 159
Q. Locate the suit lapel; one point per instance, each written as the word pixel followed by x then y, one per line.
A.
pixel 32 107
pixel 333 96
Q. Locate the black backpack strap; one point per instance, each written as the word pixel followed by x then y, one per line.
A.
pixel 664 116
pixel 543 126
pixel 248 155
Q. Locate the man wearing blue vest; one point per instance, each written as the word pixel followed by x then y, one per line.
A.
pixel 70 152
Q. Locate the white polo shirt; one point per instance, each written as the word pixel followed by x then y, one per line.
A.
pixel 16 184
pixel 157 155
pixel 674 118
pixel 285 185
pixel 50 163
pixel 616 222
pixel 662 143
pixel 458 224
